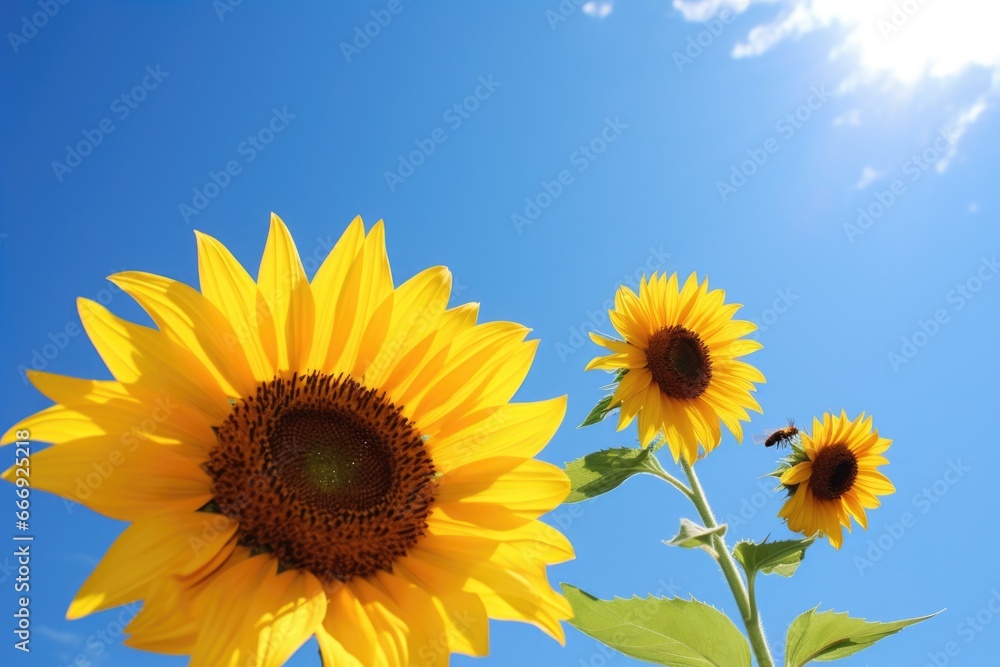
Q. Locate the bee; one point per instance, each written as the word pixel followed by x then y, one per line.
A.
pixel 777 436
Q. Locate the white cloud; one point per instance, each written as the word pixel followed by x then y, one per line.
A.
pixel 905 39
pixel 702 10
pixel 958 130
pixel 852 117
pixel 868 176
pixel 597 8
pixel 884 42
pixel 798 21
pixel 58 636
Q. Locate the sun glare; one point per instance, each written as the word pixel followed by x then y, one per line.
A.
pixel 906 40
pixel 914 39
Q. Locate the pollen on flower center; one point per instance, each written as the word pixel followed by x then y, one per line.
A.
pixel 835 470
pixel 331 458
pixel 679 362
pixel 325 474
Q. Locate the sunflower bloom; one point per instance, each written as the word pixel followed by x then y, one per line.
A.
pixel 336 458
pixel 680 353
pixel 832 476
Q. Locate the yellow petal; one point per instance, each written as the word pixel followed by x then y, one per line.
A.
pixel 373 337
pixel 413 373
pixel 688 299
pixel 148 550
pixel 466 624
pixel 704 317
pixel 395 634
pixel 196 324
pixel 730 332
pixel 127 483
pixel 532 538
pixel 629 318
pixel 438 620
pixel 798 473
pixel 283 283
pixel 635 383
pixel 348 626
pixel 226 284
pixel 253 617
pixel 327 289
pixel 426 359
pixel 609 363
pixel 120 423
pixel 513 429
pixel 525 486
pixel 875 482
pixel 501 377
pixel 126 412
pixel 618 346
pixel 836 537
pixel 651 416
pixel 164 624
pixel 508 593
pixel 419 304
pixel 332 652
pixel 472 352
pixel 853 506
pixel 428 639
pixel 366 286
pixel 137 354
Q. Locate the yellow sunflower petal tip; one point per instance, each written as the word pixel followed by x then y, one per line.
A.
pixel 831 477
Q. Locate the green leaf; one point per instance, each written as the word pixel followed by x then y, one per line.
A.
pixel 675 632
pixel 694 536
pixel 604 407
pixel 828 635
pixel 599 412
pixel 603 471
pixel 782 557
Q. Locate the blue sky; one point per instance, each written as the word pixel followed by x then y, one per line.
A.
pixel 547 153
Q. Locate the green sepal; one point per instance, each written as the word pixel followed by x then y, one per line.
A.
pixel 599 412
pixel 796 455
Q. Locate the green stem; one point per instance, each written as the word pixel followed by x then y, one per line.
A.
pixel 676 483
pixel 744 600
pixel 658 470
pixel 755 620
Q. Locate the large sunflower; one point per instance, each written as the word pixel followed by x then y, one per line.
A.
pixel 680 353
pixel 832 476
pixel 336 458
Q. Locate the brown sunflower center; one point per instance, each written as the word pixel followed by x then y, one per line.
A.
pixel 835 470
pixel 679 362
pixel 323 473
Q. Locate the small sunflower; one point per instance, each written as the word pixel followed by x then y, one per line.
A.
pixel 832 476
pixel 679 357
pixel 336 458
